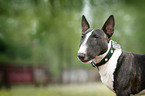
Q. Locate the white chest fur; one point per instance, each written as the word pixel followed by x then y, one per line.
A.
pixel 106 71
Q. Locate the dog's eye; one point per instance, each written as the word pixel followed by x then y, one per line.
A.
pixel 82 36
pixel 95 36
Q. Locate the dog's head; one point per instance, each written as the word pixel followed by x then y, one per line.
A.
pixel 94 42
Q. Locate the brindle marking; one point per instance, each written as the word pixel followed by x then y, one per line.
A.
pixel 129 75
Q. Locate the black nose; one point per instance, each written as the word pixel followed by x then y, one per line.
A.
pixel 81 56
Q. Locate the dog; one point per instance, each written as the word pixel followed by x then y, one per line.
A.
pixel 122 72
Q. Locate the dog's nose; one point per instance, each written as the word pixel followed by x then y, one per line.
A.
pixel 81 56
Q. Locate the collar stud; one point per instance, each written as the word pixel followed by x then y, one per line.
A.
pixel 106 59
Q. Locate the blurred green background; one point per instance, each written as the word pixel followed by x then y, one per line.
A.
pixel 47 32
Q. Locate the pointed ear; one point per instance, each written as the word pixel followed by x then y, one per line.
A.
pixel 108 27
pixel 85 24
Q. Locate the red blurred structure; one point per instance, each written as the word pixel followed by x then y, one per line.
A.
pixel 16 74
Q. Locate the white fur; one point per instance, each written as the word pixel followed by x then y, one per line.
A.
pixel 106 71
pixel 84 46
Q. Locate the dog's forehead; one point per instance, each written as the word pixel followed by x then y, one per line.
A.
pixel 96 31
pixel 99 32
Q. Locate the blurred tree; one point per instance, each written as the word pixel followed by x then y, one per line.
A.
pixel 40 32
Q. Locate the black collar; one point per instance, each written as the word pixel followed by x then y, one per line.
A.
pixel 106 58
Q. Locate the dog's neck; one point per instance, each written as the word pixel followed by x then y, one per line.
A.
pixel 97 59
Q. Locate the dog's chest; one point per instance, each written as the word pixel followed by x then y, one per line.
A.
pixel 106 71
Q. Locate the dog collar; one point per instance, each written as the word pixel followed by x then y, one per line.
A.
pixel 108 56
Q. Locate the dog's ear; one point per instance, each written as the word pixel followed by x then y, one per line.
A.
pixel 108 27
pixel 85 24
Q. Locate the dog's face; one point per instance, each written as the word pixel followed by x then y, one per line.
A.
pixel 94 42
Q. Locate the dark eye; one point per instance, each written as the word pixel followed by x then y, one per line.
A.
pixel 82 37
pixel 95 36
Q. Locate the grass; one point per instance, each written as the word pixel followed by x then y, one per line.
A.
pixel 93 89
